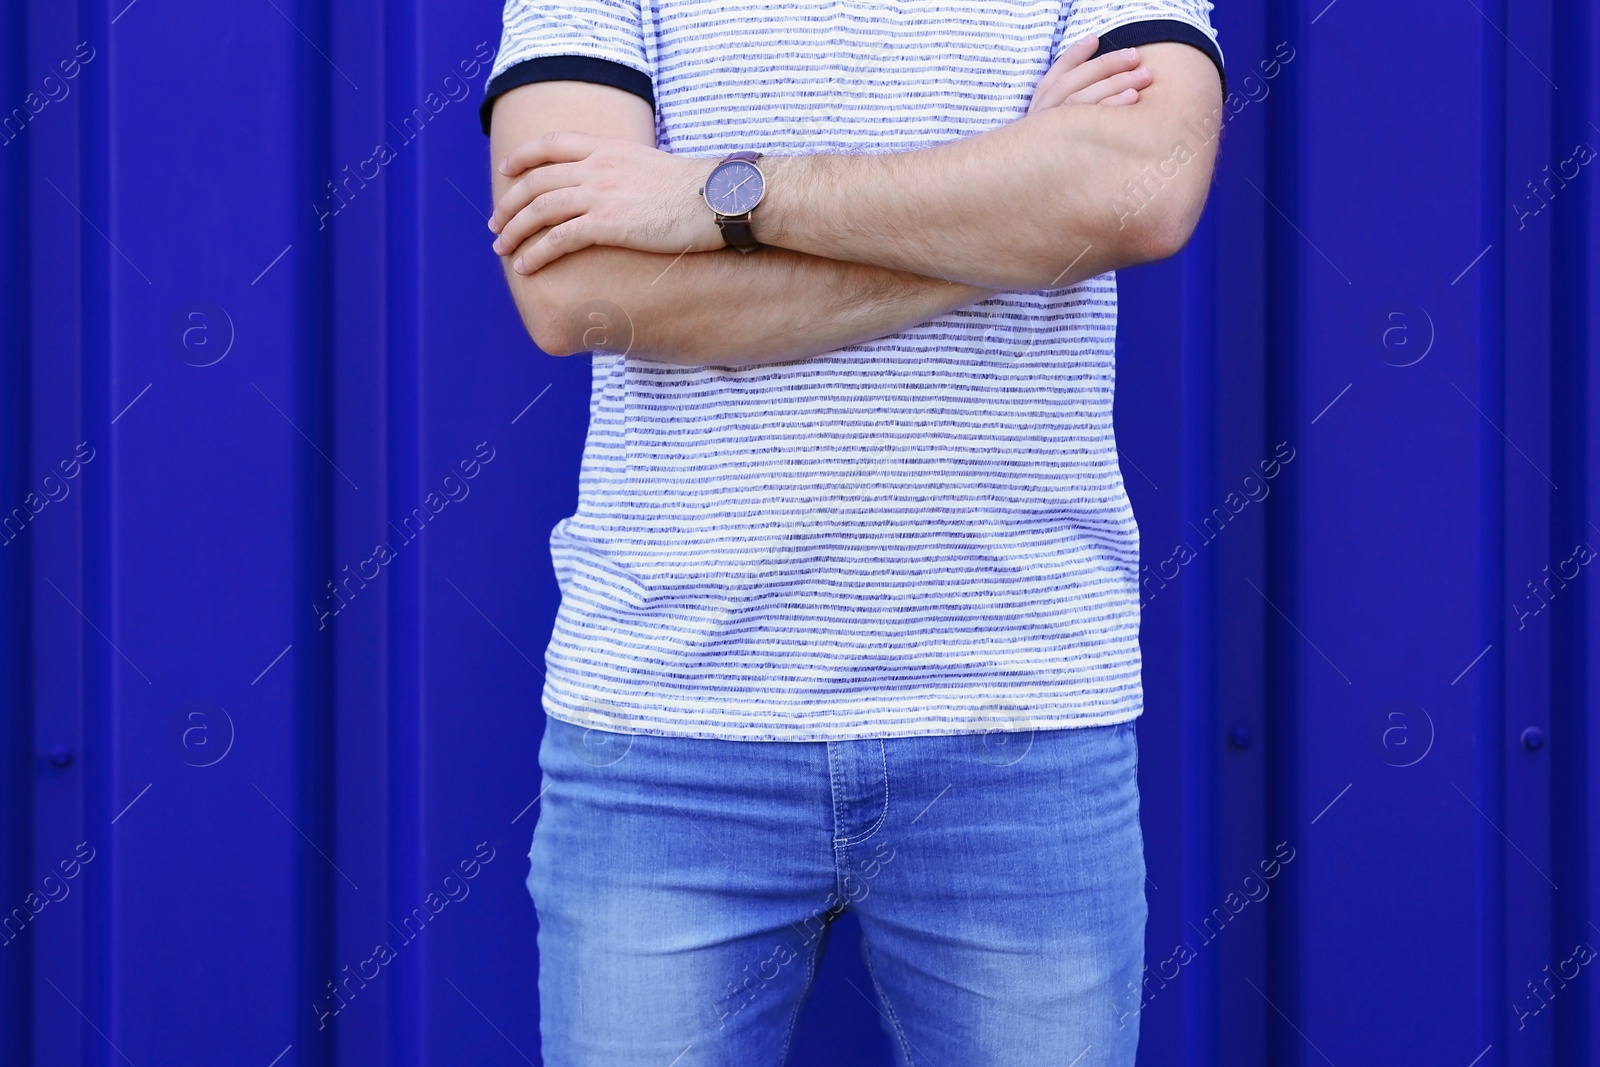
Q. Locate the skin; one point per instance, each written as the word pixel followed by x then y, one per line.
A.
pixel 606 238
pixel 715 308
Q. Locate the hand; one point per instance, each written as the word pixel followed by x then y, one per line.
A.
pixel 1113 79
pixel 600 191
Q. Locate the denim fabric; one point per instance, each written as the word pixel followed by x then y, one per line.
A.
pixel 684 890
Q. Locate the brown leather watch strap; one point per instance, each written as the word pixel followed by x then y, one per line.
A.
pixel 736 232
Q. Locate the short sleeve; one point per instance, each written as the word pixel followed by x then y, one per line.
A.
pixel 1130 23
pixel 569 40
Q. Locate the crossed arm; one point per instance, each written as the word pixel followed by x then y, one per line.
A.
pixel 859 246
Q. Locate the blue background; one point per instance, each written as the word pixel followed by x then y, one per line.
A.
pixel 1349 666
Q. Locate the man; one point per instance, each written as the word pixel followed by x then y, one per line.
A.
pixel 849 608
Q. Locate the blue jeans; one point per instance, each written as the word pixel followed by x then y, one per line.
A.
pixel 684 889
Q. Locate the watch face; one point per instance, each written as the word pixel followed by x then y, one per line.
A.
pixel 734 187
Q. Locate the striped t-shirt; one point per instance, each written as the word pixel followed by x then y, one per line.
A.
pixel 923 534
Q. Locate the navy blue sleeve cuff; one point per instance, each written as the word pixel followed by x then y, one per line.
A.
pixel 1135 34
pixel 565 69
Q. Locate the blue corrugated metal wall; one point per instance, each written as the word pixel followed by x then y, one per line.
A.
pixel 241 344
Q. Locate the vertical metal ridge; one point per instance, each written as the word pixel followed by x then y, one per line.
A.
pixel 1489 683
pixel 1201 885
pixel 1571 344
pixel 311 731
pixel 1283 421
pixel 17 764
pixel 100 735
pixel 405 429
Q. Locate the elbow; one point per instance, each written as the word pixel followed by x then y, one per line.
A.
pixel 1162 228
pixel 549 332
pixel 563 312
pixel 1167 232
pixel 1145 231
pixel 545 314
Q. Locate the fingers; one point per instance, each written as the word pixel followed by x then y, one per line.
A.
pixel 554 208
pixel 557 146
pixel 1127 96
pixel 1069 59
pixel 524 190
pixel 1113 86
pixel 567 237
pixel 1085 75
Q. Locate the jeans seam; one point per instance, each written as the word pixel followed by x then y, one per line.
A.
pixel 834 806
pixel 883 764
pixel 888 1007
pixel 794 1013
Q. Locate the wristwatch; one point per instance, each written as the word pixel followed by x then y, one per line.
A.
pixel 732 190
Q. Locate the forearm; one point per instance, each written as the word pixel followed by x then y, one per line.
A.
pixel 1048 200
pixel 722 308
pixel 715 308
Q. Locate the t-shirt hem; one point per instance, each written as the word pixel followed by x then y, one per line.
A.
pixel 793 727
